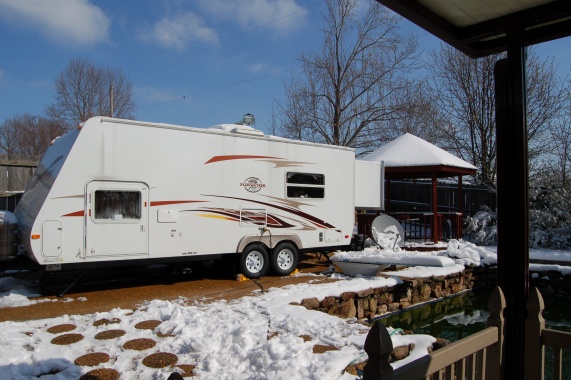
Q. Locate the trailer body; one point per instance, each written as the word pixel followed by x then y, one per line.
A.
pixel 116 192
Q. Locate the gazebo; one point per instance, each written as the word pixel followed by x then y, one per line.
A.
pixel 410 157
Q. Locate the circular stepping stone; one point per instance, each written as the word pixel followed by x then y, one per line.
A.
pixel 101 374
pixel 140 344
pixel 105 321
pixel 187 370
pixel 62 328
pixel 109 334
pixel 165 335
pixel 320 349
pixel 91 360
pixel 66 339
pixel 160 360
pixel 148 325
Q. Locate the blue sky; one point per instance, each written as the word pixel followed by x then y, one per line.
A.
pixel 191 62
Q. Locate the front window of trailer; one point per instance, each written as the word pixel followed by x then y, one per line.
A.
pixel 305 185
pixel 117 205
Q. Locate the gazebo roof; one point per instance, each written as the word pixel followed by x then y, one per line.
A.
pixel 412 157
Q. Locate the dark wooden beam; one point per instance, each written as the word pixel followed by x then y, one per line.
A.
pixel 543 23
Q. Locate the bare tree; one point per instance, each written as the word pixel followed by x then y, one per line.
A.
pixel 355 85
pixel 420 117
pixel 82 91
pixel 463 89
pixel 556 165
pixel 27 135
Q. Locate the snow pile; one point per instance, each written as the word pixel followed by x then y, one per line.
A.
pixel 14 292
pixel 388 256
pixel 469 254
pixel 457 252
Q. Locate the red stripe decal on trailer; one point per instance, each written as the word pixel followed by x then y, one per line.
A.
pixel 164 203
pixel 77 213
pixel 238 157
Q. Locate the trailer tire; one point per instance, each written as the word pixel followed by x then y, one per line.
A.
pixel 254 261
pixel 284 259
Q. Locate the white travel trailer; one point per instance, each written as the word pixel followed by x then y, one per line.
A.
pixel 121 192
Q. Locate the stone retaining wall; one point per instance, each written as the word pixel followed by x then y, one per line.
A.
pixel 377 301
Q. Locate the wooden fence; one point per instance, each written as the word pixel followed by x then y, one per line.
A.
pixel 15 174
pixel 415 196
pixel 478 356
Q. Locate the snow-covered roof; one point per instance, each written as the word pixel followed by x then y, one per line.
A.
pixel 412 151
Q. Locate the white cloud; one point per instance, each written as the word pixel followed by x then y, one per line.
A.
pixel 180 30
pixel 281 16
pixel 71 21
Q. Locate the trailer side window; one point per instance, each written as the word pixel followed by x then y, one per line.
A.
pixel 305 185
pixel 117 205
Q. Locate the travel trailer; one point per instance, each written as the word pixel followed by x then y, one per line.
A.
pixel 121 192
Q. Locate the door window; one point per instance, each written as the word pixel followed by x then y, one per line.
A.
pixel 117 205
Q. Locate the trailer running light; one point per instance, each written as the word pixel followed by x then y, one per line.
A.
pixel 35 237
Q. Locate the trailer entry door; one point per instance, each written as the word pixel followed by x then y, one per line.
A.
pixel 116 218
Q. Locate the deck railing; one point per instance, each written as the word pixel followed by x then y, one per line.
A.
pixel 537 338
pixel 478 356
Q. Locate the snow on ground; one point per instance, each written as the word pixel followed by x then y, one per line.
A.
pixel 225 339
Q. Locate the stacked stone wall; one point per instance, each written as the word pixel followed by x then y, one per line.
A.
pixel 412 291
pixel 377 301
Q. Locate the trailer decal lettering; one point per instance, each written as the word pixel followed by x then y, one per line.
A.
pixel 253 184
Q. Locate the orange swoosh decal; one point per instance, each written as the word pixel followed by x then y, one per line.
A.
pixel 238 157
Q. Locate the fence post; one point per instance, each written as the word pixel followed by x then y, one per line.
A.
pixel 378 346
pixel 534 325
pixel 494 354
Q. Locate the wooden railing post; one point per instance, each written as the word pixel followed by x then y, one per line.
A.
pixel 494 355
pixel 378 346
pixel 534 325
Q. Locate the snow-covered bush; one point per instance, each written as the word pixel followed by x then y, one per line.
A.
pixel 481 229
pixel 549 220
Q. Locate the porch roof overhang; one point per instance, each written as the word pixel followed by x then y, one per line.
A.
pixel 481 27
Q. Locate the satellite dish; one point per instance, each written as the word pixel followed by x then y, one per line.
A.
pixel 387 231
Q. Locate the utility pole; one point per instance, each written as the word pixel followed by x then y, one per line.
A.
pixel 111 100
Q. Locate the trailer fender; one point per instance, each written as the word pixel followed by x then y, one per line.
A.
pixel 268 240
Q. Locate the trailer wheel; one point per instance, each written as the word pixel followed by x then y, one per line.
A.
pixel 254 261
pixel 284 259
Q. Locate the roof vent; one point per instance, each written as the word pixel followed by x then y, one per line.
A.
pixel 238 129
